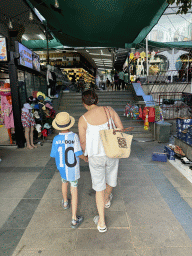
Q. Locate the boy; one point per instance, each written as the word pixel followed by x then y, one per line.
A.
pixel 66 150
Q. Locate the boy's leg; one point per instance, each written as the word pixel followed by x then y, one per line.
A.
pixel 101 208
pixel 74 197
pixel 64 191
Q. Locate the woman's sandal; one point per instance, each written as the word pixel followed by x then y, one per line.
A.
pixel 108 205
pixel 96 220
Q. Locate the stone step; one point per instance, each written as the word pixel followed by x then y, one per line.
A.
pixel 74 101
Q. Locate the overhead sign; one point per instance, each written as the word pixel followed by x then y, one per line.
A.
pixel 3 49
pixel 25 56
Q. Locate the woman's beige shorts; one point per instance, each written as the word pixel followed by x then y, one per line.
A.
pixel 103 170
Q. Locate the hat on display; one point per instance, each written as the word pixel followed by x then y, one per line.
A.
pixel 46 126
pixel 40 97
pixel 63 121
pixel 38 127
pixel 47 99
pixel 27 106
pixel 36 106
pixel 36 115
pixel 41 94
pixel 44 133
pixel 47 105
pixel 42 106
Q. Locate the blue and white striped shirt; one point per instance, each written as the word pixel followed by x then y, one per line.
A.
pixel 66 149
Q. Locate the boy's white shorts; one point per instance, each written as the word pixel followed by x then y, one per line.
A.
pixel 103 170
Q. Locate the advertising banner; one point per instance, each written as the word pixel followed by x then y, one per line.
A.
pixel 36 62
pixel 25 56
pixel 3 49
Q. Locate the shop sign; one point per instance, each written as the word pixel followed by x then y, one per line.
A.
pixel 3 49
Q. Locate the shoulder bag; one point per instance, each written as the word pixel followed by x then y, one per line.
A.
pixel 116 143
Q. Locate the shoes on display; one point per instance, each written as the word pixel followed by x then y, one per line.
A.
pixel 185 160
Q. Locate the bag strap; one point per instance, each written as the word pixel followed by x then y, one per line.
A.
pixel 116 130
pixel 108 118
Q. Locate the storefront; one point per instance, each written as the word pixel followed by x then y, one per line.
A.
pixel 31 84
pixel 138 65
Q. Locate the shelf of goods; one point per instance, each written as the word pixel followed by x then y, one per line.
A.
pixel 79 72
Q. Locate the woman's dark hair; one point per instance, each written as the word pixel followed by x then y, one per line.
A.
pixel 89 97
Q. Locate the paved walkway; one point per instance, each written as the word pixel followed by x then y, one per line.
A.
pixel 150 214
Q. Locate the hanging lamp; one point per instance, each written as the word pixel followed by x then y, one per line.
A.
pixel 56 4
pixel 10 24
pixel 30 15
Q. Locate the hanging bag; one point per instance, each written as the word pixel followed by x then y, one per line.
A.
pixel 116 143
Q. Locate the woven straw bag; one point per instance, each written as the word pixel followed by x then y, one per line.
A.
pixel 116 143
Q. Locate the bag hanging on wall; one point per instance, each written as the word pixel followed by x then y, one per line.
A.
pixel 116 143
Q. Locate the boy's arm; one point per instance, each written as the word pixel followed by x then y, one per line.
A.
pixel 52 154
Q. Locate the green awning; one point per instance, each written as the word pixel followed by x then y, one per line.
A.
pixel 101 23
pixel 41 44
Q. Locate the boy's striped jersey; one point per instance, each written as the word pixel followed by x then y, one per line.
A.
pixel 66 149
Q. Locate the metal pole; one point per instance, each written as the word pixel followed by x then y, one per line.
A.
pixel 147 57
pixel 128 68
pixel 47 45
pixel 19 134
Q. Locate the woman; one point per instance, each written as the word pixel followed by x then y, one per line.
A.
pixel 103 169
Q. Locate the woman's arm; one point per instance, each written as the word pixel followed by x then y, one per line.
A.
pixel 82 126
pixel 116 118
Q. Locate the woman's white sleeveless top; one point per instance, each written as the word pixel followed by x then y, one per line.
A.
pixel 94 146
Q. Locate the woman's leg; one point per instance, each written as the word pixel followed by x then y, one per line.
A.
pixel 101 208
pixel 10 137
pixel 27 130
pixel 31 137
pixel 108 192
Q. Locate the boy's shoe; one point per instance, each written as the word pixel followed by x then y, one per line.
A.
pixel 108 205
pixel 76 223
pixel 65 205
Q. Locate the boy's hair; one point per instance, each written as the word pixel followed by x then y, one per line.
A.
pixel 89 97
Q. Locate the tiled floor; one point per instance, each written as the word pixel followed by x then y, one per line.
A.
pixel 150 213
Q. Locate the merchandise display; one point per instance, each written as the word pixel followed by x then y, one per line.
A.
pixel 184 130
pixel 6 109
pixel 41 114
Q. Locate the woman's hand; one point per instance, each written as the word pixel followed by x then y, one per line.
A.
pixel 86 159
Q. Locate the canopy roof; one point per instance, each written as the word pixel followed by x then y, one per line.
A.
pixel 100 23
